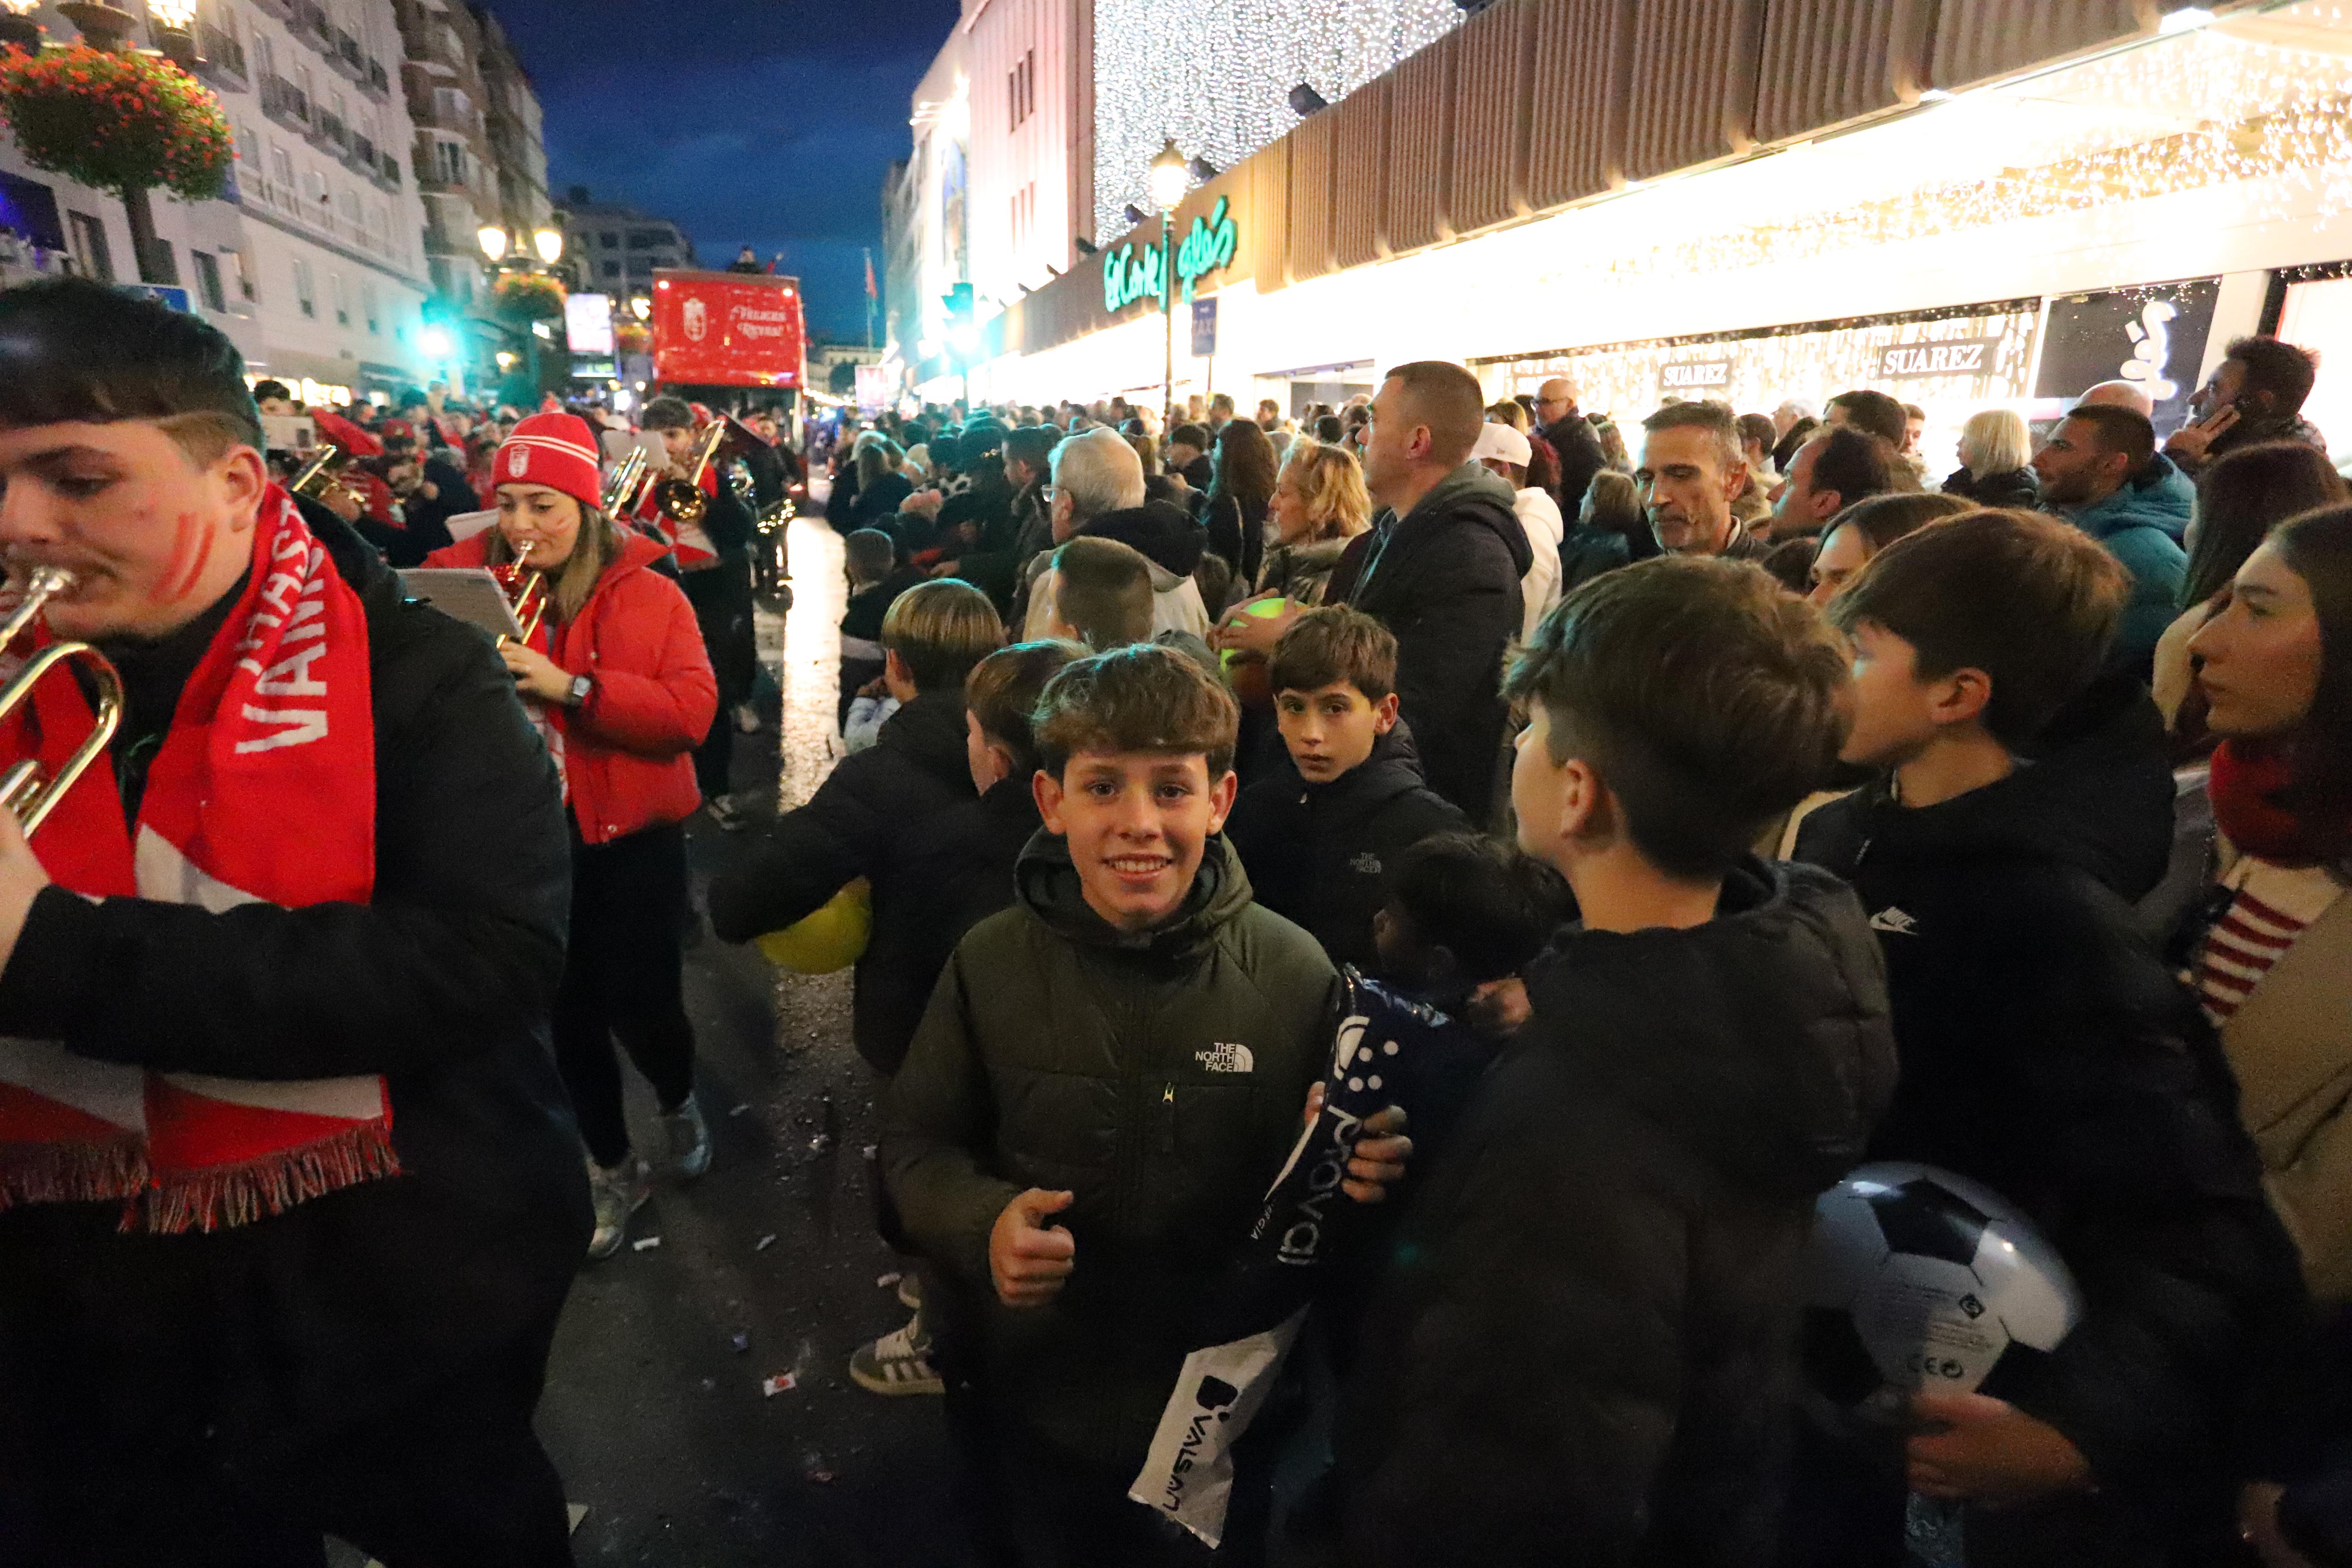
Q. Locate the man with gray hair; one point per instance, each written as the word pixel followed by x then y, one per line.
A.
pixel 1690 470
pixel 1097 493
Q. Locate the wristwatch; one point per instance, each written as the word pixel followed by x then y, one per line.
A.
pixel 581 687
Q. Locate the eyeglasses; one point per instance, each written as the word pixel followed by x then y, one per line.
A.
pixel 1045 494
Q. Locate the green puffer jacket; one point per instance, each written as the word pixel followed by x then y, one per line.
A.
pixel 1160 1078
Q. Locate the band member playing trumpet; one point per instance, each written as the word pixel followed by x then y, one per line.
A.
pixel 289 1198
pixel 615 677
pixel 714 564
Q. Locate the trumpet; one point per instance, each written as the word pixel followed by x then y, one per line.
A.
pixel 621 488
pixel 681 501
pixel 23 791
pixel 526 590
pixel 324 475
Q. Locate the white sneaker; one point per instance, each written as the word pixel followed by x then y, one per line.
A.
pixel 897 1363
pixel 618 1194
pixel 689 1138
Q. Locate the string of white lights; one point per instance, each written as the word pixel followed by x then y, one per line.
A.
pixel 1219 81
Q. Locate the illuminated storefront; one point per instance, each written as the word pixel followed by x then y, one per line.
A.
pixel 2120 218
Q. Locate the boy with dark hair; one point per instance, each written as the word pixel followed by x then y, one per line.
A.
pixel 1463 916
pixel 1872 413
pixel 1101 593
pixel 2046 1052
pixel 1585 1345
pixel 1319 833
pixel 1107 1078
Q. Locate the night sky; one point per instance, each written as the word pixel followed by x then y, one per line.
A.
pixel 760 123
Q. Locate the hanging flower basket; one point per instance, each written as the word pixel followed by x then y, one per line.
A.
pixel 634 338
pixel 116 122
pixel 528 297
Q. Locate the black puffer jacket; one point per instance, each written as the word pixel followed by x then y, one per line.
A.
pixel 1585 1350
pixel 2012 487
pixel 1162 530
pixel 1444 579
pixel 1160 1078
pixel 1318 854
pixel 2050 1054
pixel 352 1305
pixel 857 825
pixel 1578 446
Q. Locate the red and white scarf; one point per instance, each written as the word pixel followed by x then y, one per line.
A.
pixel 263 792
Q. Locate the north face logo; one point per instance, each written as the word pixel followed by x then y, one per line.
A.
pixel 1892 919
pixel 1226 1057
pixel 1365 864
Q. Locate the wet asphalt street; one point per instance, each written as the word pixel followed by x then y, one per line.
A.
pixel 655 1411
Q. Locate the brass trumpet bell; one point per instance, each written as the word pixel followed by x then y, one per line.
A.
pixel 26 795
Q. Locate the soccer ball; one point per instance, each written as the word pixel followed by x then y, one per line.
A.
pixel 1921 1279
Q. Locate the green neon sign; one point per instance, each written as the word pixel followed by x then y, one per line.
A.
pixel 1208 247
pixel 1129 274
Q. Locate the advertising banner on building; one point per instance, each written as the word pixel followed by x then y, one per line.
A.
pixel 727 328
pixel 588 325
pixel 2153 335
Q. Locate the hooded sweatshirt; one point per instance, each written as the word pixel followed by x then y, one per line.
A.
pixel 1444 580
pixel 1167 538
pixel 1587 1342
pixel 1160 1077
pixel 2049 1053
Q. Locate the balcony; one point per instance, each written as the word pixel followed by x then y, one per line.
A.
pixel 284 102
pixel 221 60
pixel 388 173
pixel 329 132
pixel 377 82
pixel 312 22
pixel 360 156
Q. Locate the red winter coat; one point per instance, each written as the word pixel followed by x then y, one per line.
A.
pixel 628 752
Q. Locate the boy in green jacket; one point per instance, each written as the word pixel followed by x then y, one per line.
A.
pixel 1108 1076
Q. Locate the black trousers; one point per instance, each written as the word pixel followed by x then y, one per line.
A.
pixel 721 597
pixel 144 1424
pixel 622 980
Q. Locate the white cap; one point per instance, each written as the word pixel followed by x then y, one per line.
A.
pixel 1501 442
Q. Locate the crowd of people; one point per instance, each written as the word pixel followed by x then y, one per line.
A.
pixel 1723 804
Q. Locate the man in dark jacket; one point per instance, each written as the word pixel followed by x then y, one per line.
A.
pixel 2047 1052
pixel 2256 395
pixel 1586 1346
pixel 359 1350
pixel 1574 444
pixel 1320 833
pixel 714 561
pixel 1444 574
pixel 432 490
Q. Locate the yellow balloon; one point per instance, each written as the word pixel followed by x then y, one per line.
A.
pixel 832 938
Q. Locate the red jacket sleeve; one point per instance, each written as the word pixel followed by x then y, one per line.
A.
pixel 656 695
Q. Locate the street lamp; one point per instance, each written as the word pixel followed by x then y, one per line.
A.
pixel 549 243
pixel 640 307
pixel 494 243
pixel 173 25
pixel 1168 177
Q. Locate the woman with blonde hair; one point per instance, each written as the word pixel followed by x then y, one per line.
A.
pixel 1319 507
pixel 615 676
pixel 1996 458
